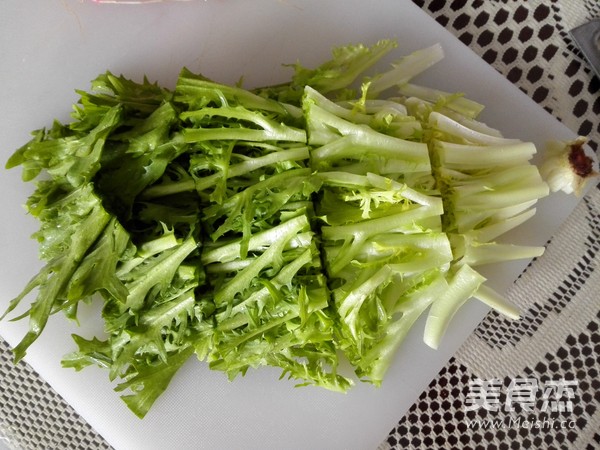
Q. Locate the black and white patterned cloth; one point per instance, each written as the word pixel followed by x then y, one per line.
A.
pixel 531 384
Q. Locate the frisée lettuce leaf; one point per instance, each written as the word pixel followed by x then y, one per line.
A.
pixel 297 226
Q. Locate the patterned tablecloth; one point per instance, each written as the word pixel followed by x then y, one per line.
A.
pixel 531 384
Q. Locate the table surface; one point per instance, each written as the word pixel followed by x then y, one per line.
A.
pixel 557 338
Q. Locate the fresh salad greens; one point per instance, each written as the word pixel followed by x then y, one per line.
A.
pixel 288 226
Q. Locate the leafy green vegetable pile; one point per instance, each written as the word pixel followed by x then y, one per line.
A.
pixel 282 226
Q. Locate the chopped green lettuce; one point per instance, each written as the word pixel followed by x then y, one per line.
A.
pixel 291 226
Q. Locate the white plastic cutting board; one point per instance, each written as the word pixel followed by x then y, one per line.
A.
pixel 48 48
